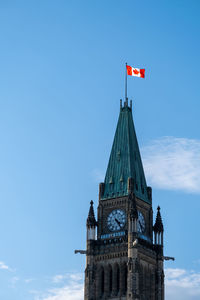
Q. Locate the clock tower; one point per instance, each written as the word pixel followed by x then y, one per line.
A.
pixel 124 255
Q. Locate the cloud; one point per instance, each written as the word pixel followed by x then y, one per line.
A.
pixel 72 290
pixel 182 284
pixel 174 273
pixel 72 277
pixel 3 266
pixel 173 163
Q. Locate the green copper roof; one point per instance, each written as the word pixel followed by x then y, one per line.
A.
pixel 125 161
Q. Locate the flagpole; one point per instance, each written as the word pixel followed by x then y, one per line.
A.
pixel 126 99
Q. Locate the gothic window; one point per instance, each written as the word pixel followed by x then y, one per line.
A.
pixel 101 276
pixel 123 278
pixel 102 281
pixel 110 274
pixel 99 282
pixel 118 278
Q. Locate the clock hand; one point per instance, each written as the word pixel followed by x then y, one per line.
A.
pixel 118 222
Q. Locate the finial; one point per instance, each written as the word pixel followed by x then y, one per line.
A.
pixel 131 104
pixel 158 208
pixel 120 103
pixel 91 202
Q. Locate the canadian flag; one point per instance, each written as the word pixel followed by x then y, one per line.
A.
pixel 135 71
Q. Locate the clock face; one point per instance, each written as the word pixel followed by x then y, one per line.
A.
pixel 140 223
pixel 116 220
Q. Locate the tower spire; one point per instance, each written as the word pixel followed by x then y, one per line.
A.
pixel 125 161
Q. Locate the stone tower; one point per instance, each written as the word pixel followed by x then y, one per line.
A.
pixel 124 255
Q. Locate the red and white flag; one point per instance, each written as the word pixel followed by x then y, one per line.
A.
pixel 135 71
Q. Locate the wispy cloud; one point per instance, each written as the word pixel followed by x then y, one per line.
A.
pixel 71 290
pixel 173 163
pixel 3 266
pixel 182 284
pixel 58 278
pixel 70 277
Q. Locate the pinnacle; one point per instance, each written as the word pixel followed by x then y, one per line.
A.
pixel 158 226
pixel 91 221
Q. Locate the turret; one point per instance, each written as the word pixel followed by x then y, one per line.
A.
pixel 158 229
pixel 91 223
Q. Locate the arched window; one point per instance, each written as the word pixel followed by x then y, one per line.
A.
pixel 123 278
pixel 102 281
pixel 117 278
pixel 110 273
pixel 100 278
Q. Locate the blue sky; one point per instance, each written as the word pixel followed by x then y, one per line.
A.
pixel 61 77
